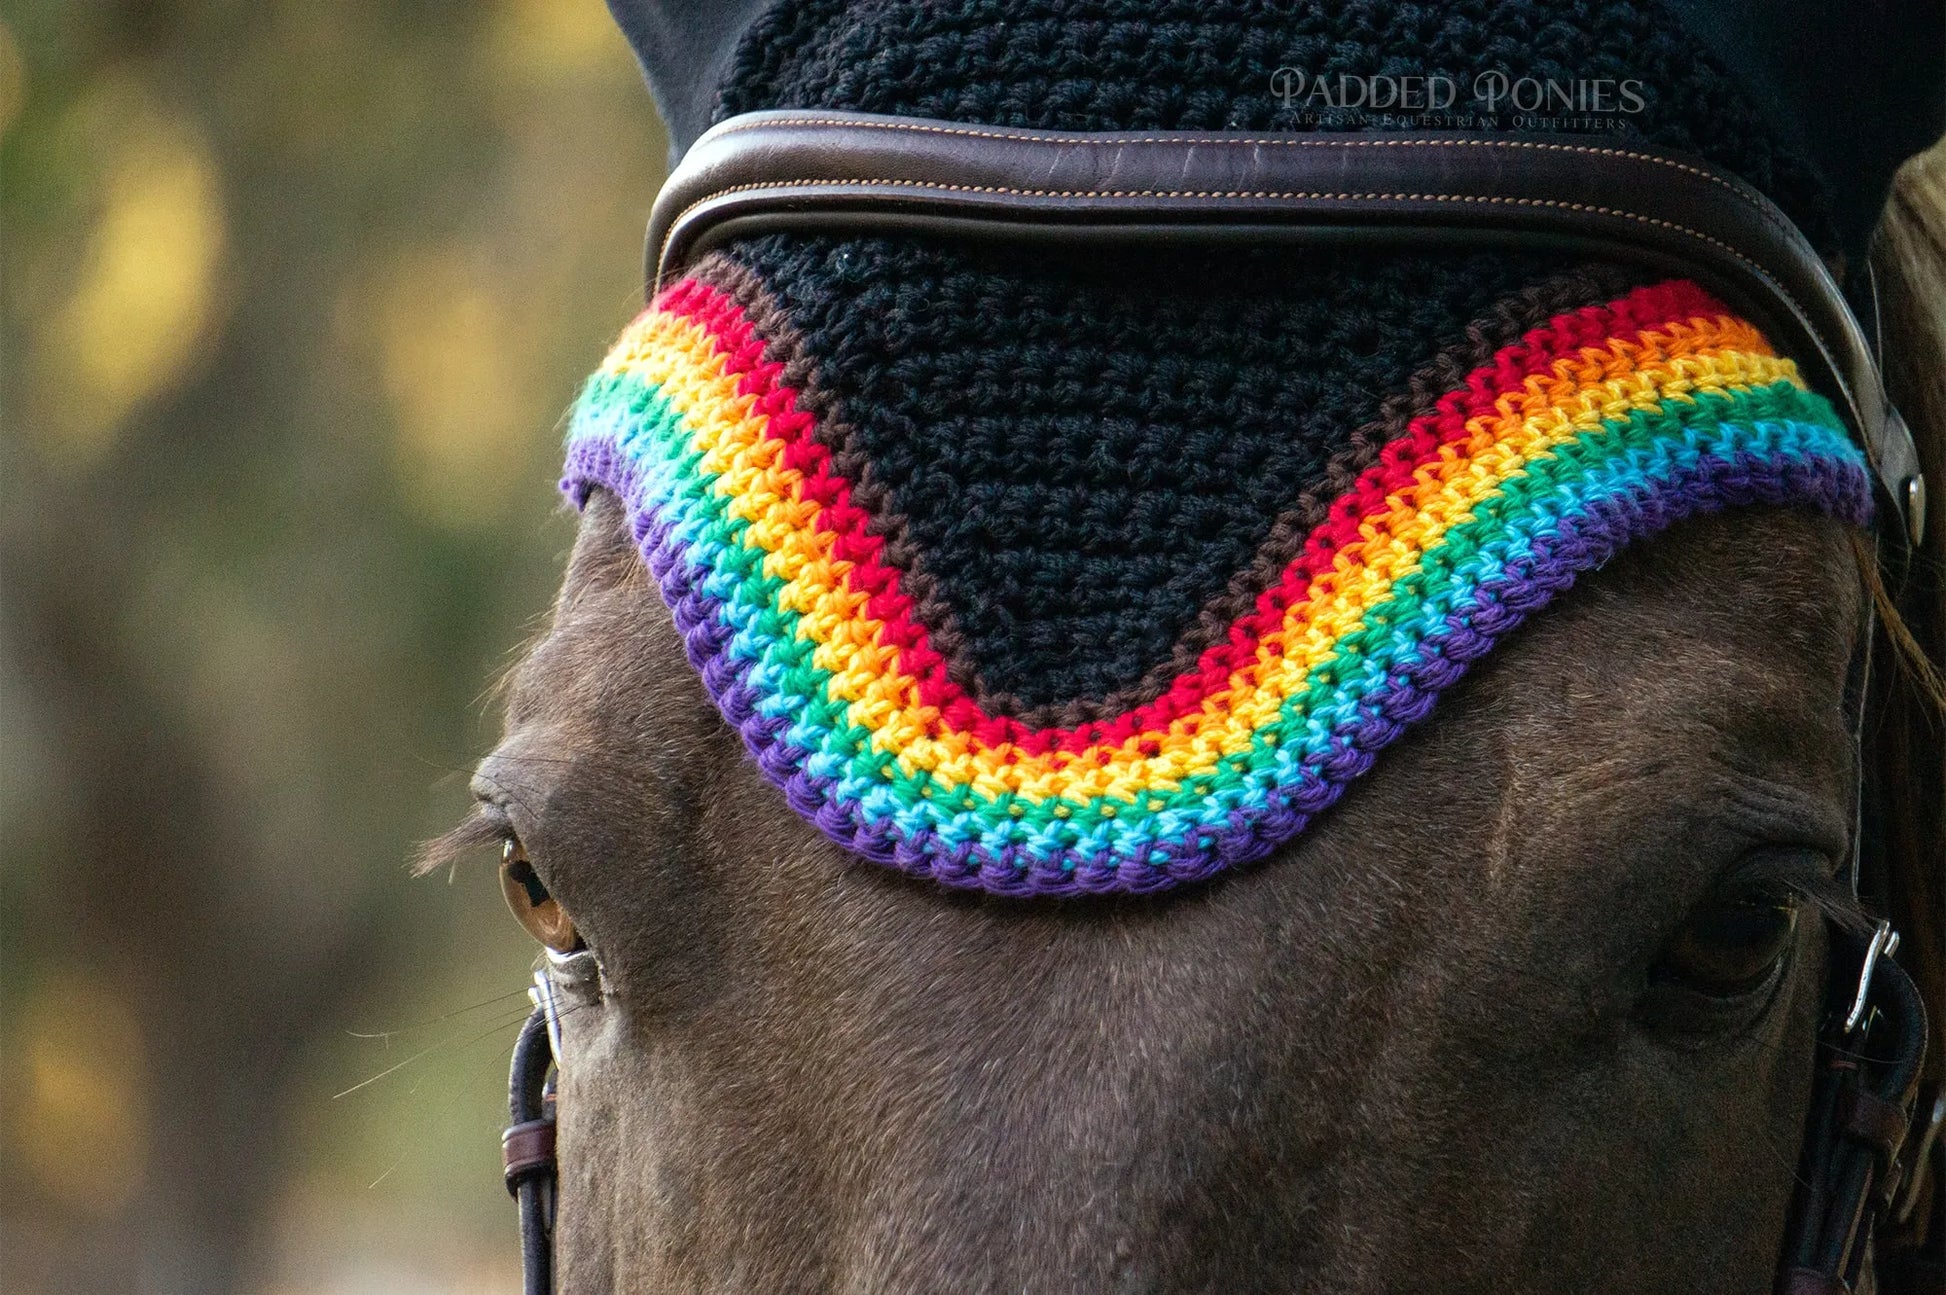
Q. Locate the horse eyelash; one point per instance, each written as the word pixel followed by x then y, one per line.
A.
pixel 477 829
pixel 1833 899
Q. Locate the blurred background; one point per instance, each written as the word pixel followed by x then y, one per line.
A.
pixel 296 294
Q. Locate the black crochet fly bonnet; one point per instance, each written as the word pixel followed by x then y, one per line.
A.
pixel 998 557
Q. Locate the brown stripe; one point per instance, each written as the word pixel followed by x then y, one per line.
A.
pixel 835 433
pixel 1513 316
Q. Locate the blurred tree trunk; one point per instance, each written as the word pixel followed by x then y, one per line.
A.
pixel 154 855
pixel 294 294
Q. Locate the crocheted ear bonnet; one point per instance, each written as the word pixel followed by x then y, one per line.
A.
pixel 1105 571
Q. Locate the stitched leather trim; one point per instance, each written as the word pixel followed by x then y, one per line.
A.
pixel 785 169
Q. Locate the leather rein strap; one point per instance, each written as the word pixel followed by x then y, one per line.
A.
pixel 818 171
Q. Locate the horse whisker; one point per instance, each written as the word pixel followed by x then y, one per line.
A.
pixel 435 1020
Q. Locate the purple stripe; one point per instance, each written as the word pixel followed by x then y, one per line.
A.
pixel 1578 543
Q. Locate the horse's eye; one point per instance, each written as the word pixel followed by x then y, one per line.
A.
pixel 1728 947
pixel 535 909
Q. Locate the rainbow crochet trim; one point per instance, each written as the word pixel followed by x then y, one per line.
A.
pixel 1601 428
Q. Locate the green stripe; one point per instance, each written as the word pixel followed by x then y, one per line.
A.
pixel 783 662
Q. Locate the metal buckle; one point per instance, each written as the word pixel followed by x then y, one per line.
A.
pixel 1911 499
pixel 1885 942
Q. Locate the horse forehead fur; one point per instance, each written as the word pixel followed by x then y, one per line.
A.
pixel 1399 1055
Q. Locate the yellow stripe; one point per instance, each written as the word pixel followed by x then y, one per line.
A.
pixel 1579 394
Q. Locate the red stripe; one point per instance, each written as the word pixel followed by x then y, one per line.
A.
pixel 1642 311
pixel 849 525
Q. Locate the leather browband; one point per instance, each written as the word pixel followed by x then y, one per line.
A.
pixel 804 170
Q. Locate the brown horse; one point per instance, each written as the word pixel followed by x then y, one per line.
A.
pixel 1531 1009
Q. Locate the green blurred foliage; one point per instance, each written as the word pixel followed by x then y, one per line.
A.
pixel 295 297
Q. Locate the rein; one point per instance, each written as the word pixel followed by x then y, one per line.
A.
pixel 799 170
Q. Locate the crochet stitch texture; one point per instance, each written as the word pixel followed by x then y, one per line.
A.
pixel 1086 451
pixel 1208 65
pixel 1603 426
pixel 1105 570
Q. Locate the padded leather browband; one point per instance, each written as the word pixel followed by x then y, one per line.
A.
pixel 816 170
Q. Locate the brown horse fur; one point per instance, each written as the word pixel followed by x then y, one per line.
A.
pixel 1420 1049
pixel 1908 733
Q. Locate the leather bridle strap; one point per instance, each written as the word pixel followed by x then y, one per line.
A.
pixel 527 1147
pixel 1850 1169
pixel 802 170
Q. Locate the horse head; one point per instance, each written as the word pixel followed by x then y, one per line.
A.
pixel 970 859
